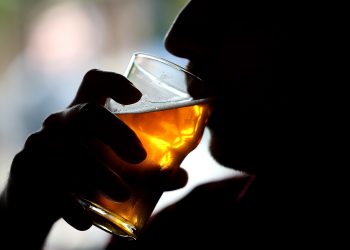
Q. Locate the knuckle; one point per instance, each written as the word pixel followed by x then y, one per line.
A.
pixel 33 139
pixel 90 113
pixel 92 73
pixel 89 108
pixel 52 120
pixel 119 77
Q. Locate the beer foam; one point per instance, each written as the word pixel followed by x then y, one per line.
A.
pixel 145 105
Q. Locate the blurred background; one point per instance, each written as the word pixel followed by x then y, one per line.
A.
pixel 46 47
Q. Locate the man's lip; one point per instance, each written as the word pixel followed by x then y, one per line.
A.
pixel 191 67
pixel 199 88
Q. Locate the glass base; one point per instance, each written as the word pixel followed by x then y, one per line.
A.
pixel 108 221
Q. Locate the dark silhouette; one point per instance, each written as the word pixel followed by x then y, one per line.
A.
pixel 253 58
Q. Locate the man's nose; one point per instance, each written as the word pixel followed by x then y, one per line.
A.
pixel 188 35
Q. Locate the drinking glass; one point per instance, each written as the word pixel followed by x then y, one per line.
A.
pixel 169 120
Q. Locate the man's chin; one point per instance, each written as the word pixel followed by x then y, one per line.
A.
pixel 229 157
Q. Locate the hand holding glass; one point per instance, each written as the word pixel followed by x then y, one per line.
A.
pixel 169 122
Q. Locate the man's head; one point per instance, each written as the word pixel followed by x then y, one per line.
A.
pixel 240 50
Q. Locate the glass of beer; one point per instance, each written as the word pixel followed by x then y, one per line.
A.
pixel 169 120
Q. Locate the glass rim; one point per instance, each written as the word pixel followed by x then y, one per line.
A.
pixel 167 62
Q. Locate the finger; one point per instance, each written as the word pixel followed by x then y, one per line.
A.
pixel 176 180
pixel 112 185
pixel 98 85
pixel 81 165
pixel 86 174
pixel 91 120
pixel 112 132
pixel 94 175
pixel 167 180
pixel 75 214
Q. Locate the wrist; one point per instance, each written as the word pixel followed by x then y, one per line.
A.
pixel 19 228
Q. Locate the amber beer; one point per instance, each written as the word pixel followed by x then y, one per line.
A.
pixel 168 135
